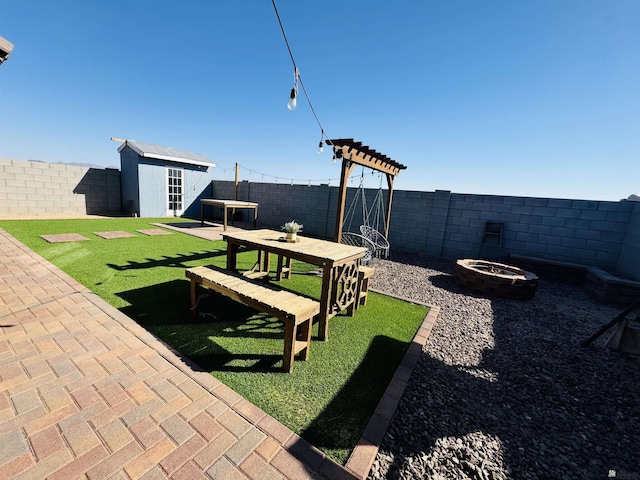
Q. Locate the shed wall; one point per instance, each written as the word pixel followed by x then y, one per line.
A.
pixel 153 187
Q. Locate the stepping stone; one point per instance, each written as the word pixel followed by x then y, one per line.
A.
pixel 114 234
pixel 155 231
pixel 64 237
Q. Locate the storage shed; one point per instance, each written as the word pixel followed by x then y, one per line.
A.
pixel 159 181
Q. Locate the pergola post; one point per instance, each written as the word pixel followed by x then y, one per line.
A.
pixel 387 219
pixel 347 168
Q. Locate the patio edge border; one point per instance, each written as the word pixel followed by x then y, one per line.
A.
pixel 364 453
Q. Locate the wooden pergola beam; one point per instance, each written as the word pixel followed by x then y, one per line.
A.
pixel 365 156
pixel 355 153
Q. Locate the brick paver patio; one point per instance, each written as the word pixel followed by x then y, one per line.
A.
pixel 85 392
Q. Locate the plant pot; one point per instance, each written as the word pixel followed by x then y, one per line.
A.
pixel 292 236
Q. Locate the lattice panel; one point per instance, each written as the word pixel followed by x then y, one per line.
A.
pixel 346 285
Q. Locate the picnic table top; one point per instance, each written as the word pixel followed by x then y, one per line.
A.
pixel 307 249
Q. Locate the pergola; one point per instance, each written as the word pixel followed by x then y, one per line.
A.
pixel 354 153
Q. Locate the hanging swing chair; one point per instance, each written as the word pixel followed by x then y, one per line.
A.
pixel 372 221
pixel 369 235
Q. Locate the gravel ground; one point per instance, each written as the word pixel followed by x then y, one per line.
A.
pixel 505 390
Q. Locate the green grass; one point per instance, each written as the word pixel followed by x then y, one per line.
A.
pixel 327 400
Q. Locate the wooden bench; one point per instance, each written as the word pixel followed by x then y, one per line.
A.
pixel 364 274
pixel 295 311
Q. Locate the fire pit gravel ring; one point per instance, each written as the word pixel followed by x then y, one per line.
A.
pixel 495 279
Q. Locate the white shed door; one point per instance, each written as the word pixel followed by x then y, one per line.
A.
pixel 175 195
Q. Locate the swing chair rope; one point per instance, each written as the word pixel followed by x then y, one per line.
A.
pixel 368 229
pixel 352 207
pixel 372 231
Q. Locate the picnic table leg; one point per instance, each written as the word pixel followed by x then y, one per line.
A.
pixel 232 252
pixel 284 268
pixel 325 302
pixel 201 214
pixel 255 217
pixel 224 218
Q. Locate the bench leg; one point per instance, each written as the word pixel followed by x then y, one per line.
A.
pixel 289 344
pixel 193 299
pixel 304 331
pixel 363 289
pixel 284 268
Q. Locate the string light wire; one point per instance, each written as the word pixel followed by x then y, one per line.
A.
pixel 297 71
pixel 263 175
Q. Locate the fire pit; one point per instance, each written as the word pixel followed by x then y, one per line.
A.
pixel 495 279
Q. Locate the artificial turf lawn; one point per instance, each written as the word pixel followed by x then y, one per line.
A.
pixel 327 400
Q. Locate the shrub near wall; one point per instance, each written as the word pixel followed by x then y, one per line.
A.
pixel 40 188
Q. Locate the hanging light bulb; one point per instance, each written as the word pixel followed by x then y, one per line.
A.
pixel 292 103
pixel 320 147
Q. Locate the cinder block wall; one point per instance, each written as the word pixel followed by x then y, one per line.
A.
pixel 629 261
pixel 313 206
pixel 441 223
pixel 40 188
pixel 574 231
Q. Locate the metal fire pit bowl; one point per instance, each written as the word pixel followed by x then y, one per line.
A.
pixel 495 279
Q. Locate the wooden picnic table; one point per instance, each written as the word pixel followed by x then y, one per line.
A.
pixel 226 205
pixel 339 265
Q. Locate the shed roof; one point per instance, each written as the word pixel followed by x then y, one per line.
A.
pixel 159 152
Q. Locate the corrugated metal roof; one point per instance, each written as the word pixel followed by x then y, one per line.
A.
pixel 159 152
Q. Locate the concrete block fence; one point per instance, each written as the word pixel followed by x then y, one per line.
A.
pixel 592 233
pixel 38 188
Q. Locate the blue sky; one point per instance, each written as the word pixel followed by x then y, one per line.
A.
pixel 535 98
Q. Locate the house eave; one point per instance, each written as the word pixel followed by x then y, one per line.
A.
pixel 177 159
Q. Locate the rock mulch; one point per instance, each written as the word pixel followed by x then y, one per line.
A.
pixel 504 389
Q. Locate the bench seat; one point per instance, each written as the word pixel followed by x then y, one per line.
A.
pixel 295 311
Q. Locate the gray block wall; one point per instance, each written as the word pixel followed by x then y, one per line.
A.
pixel 629 260
pixel 441 223
pixel 40 188
pixel 574 231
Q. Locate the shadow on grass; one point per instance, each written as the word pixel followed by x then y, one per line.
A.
pixel 340 424
pixel 177 261
pixel 234 339
pixel 163 309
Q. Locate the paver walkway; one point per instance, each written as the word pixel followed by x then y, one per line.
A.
pixel 85 392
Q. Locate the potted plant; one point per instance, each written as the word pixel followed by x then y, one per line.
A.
pixel 291 229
